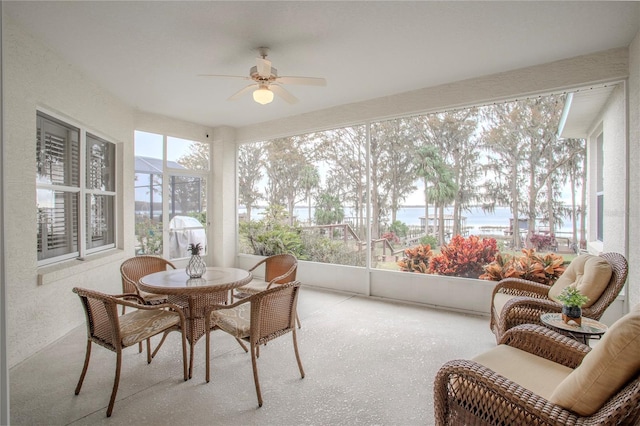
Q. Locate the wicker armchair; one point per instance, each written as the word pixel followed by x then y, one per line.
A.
pixel 257 319
pixel 278 269
pixel 137 267
pixel 115 333
pixel 527 300
pixel 466 392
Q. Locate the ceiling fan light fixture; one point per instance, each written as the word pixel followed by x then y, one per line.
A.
pixel 263 95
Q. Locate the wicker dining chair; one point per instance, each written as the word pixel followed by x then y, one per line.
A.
pixel 115 333
pixel 137 267
pixel 517 301
pixel 257 319
pixel 539 377
pixel 278 269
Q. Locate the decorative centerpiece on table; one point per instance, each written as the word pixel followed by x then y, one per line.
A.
pixel 196 266
pixel 572 301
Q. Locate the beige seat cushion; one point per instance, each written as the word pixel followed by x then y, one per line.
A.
pixel 235 321
pixel 141 324
pixel 589 273
pixel 255 286
pixel 499 300
pixel 605 370
pixel 532 372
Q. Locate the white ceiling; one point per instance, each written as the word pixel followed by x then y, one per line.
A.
pixel 149 53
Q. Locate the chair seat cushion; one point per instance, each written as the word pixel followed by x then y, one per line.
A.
pixel 588 273
pixel 255 286
pixel 235 321
pixel 499 300
pixel 141 324
pixel 152 298
pixel 614 361
pixel 539 375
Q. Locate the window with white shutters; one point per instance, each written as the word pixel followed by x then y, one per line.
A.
pixel 62 197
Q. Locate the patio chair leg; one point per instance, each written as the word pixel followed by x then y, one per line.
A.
pixel 255 375
pixel 295 348
pixel 84 368
pixel 298 321
pixel 155 351
pixel 116 382
pixel 242 344
pixel 139 347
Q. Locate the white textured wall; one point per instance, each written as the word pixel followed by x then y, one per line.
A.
pixel 634 172
pixel 36 77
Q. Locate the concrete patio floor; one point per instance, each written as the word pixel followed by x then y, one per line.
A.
pixel 367 361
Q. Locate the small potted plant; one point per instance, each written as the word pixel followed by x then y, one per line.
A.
pixel 196 266
pixel 572 301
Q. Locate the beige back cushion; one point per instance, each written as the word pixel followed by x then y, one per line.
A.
pixel 589 273
pixel 613 362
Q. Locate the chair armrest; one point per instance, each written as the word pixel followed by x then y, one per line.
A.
pixel 177 309
pixel 129 296
pixel 258 264
pixel 464 389
pixel 546 343
pixel 521 287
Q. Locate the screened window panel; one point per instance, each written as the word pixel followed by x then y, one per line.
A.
pixel 57 153
pixel 187 207
pixel 187 195
pixel 183 153
pixel 100 221
pixel 100 164
pixel 57 223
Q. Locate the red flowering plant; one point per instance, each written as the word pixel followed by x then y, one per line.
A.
pixel 464 257
pixel 391 237
pixel 416 259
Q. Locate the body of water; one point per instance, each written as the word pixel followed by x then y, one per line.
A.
pixel 476 218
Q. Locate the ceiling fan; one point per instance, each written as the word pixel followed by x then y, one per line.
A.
pixel 267 82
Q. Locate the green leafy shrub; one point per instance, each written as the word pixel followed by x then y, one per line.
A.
pixel 430 240
pixel 399 228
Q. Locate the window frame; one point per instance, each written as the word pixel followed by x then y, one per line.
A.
pixel 79 248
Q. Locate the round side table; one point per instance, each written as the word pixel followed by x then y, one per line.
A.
pixel 589 328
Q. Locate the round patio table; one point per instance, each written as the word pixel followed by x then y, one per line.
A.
pixel 584 332
pixel 194 295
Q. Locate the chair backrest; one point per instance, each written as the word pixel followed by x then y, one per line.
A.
pixel 273 312
pixel 281 264
pixel 620 269
pixel 137 267
pixel 101 312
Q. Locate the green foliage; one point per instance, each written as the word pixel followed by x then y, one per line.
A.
pixel 429 240
pixel 399 228
pixel 325 250
pixel 149 235
pixel 201 216
pixel 272 235
pixel 571 296
pixel 328 209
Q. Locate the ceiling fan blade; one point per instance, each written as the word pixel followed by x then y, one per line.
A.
pixel 264 67
pixel 242 91
pixel 225 76
pixel 307 81
pixel 284 94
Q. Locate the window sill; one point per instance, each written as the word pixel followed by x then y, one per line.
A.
pixel 59 271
